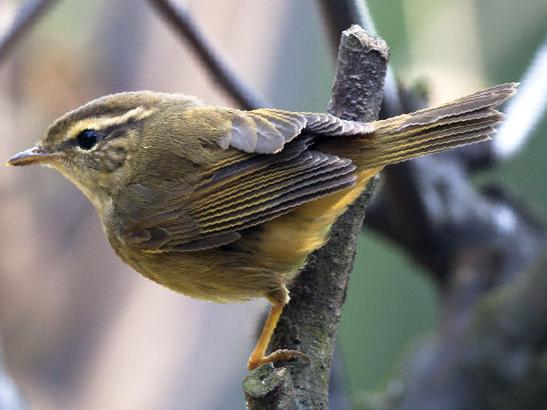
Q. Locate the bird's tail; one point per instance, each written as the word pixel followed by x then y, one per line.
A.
pixel 463 121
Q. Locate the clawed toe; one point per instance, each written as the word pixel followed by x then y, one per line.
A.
pixel 282 355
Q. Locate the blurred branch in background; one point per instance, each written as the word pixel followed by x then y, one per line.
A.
pixel 310 320
pixel 489 354
pixel 339 388
pixel 339 13
pixel 523 113
pixel 221 71
pixel 10 397
pixel 27 15
pixel 432 210
pixel 478 245
pixel 525 110
pixel 471 242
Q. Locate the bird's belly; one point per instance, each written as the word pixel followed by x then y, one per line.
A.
pixel 224 274
pixel 258 264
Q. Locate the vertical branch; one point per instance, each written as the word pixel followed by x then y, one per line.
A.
pixel 309 322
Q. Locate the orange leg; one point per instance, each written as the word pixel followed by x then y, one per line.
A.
pixel 258 356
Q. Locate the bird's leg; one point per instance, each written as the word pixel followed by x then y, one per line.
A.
pixel 258 356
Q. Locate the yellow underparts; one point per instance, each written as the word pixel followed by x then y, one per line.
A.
pixel 288 240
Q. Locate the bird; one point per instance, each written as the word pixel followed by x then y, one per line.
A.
pixel 226 205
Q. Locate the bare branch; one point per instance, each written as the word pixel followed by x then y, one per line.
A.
pixel 310 320
pixel 221 71
pixel 29 13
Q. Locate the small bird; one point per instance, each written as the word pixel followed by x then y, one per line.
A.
pixel 226 205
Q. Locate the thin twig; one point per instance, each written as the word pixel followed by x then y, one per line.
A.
pixel 221 71
pixel 28 14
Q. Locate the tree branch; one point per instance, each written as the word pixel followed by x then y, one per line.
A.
pixel 221 71
pixel 310 320
pixel 28 14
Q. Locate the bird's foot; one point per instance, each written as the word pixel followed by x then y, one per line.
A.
pixel 282 355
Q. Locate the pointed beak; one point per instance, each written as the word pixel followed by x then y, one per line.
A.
pixel 30 156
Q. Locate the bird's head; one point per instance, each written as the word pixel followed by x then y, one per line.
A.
pixel 92 145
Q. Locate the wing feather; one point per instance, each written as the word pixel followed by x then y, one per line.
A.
pixel 266 131
pixel 233 198
pixel 269 172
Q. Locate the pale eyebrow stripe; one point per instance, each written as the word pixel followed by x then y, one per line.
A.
pixel 100 123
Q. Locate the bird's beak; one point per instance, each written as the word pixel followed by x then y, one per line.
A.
pixel 30 156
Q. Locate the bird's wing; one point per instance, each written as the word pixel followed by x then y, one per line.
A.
pixel 266 131
pixel 241 194
pixel 272 173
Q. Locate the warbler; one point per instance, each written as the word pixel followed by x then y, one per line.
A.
pixel 226 205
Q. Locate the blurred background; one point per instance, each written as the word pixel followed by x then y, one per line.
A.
pixel 78 328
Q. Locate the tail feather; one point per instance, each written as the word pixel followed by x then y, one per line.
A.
pixel 463 121
pixel 401 140
pixel 430 148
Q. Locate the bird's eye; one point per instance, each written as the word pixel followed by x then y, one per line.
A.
pixel 87 139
